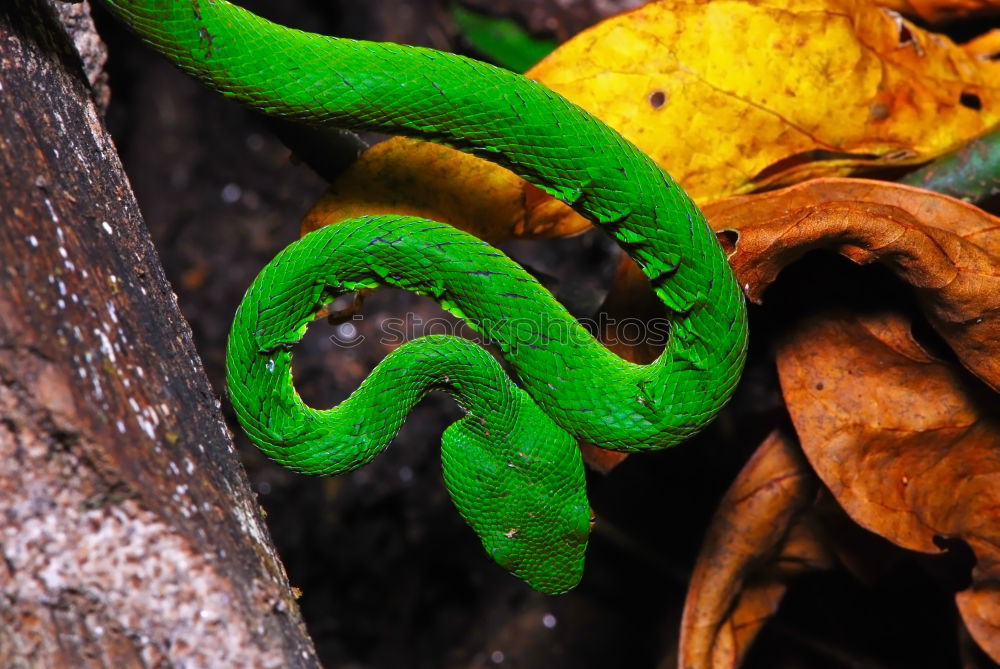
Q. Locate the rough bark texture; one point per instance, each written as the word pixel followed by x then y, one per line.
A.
pixel 128 533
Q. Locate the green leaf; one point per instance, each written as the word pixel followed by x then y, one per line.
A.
pixel 503 41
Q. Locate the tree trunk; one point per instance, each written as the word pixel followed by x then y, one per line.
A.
pixel 128 533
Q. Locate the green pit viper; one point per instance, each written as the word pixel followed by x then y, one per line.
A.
pixel 511 464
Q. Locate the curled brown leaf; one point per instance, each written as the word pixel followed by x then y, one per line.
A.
pixel 949 251
pixel 908 444
pixel 757 540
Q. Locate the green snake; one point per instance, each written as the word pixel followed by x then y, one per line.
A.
pixel 511 464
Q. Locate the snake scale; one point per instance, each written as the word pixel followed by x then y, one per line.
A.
pixel 511 464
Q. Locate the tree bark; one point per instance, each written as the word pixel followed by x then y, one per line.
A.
pixel 128 532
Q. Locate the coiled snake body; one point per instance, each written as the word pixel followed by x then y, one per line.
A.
pixel 511 464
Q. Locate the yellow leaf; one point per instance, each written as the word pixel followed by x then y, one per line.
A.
pixel 986 47
pixel 405 176
pixel 730 96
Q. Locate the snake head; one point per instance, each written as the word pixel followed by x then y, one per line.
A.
pixel 518 480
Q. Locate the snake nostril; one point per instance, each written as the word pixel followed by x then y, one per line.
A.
pixel 657 99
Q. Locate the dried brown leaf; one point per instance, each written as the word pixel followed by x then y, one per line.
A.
pixel 757 540
pixel 908 444
pixel 948 250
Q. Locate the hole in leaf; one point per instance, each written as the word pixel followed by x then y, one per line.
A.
pixel 905 36
pixel 956 571
pixel 970 101
pixel 728 239
pixel 657 99
pixel 928 339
